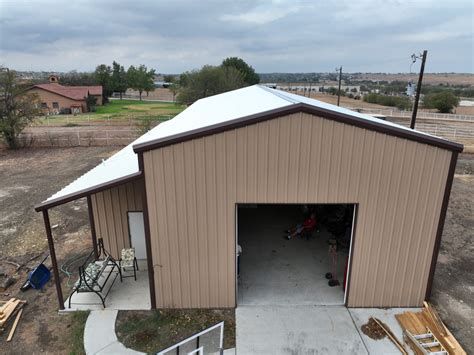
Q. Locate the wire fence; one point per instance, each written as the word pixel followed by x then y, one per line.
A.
pixel 79 138
pixel 420 114
pixel 113 132
pixel 121 137
pixel 453 133
pixel 95 120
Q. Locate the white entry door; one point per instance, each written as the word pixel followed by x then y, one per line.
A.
pixel 137 233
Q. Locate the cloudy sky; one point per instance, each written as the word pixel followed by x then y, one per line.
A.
pixel 273 36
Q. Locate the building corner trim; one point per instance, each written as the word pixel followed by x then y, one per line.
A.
pixel 442 219
pixel 146 220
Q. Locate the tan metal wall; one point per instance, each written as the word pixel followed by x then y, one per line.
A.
pixel 110 209
pixel 192 189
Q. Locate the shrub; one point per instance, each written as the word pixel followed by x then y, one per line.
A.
pixel 443 101
pixel 402 103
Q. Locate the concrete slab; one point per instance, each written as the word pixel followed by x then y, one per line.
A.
pixel 126 295
pixel 383 346
pixel 275 271
pixel 296 330
pixel 99 334
pixel 99 331
pixel 117 348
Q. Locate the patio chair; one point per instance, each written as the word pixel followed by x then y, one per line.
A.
pixel 128 261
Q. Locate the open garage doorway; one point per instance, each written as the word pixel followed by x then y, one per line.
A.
pixel 274 270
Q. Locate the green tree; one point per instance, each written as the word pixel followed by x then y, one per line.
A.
pixel 141 79
pixel 74 78
pixel 91 102
pixel 103 76
pixel 118 79
pixel 249 75
pixel 169 78
pixel 443 101
pixel 208 81
pixel 17 108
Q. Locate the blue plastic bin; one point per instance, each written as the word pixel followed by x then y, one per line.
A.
pixel 39 276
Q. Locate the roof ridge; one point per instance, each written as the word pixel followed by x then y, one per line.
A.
pixel 278 94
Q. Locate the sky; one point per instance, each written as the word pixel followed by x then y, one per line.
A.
pixel 272 36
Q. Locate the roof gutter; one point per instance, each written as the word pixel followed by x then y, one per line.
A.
pixel 86 192
pixel 295 108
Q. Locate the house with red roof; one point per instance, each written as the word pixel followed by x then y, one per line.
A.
pixel 56 98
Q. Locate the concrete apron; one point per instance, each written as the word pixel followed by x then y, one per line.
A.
pixel 313 330
pixel 297 330
pixel 99 334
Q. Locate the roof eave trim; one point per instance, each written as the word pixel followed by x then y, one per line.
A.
pixel 217 128
pixel 413 135
pixel 86 192
pixel 295 108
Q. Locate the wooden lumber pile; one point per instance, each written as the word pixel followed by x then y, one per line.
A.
pixel 390 335
pixel 9 310
pixel 428 321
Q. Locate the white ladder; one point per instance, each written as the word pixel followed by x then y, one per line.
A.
pixel 426 341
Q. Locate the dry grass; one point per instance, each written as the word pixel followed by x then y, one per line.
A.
pixel 428 78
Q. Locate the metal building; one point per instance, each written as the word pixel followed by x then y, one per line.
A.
pixel 263 146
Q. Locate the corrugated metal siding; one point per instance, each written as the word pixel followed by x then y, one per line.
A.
pixel 192 189
pixel 110 209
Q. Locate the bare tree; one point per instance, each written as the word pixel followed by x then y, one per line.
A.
pixel 17 107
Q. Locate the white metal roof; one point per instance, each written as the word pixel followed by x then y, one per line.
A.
pixel 206 112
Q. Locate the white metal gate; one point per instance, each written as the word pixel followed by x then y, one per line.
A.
pixel 208 342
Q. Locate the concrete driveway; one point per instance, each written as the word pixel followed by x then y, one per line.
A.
pixel 312 330
pixel 297 330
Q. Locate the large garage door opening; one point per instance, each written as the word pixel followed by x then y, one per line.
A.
pixel 309 268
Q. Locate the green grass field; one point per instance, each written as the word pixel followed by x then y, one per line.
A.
pixel 126 111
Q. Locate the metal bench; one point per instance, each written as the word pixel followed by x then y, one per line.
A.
pixel 94 275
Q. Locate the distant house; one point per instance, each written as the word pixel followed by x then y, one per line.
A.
pixel 56 98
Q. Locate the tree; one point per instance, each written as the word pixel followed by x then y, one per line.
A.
pixel 443 101
pixel 169 78
pixel 250 77
pixel 118 79
pixel 208 81
pixel 74 78
pixel 17 108
pixel 103 76
pixel 91 102
pixel 141 79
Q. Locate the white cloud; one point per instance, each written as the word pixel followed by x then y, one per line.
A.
pixel 278 35
pixel 450 30
pixel 260 16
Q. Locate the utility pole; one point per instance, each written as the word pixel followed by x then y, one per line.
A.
pixel 339 90
pixel 418 88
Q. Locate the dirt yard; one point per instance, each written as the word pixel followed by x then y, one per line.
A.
pixel 29 176
pixel 453 288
